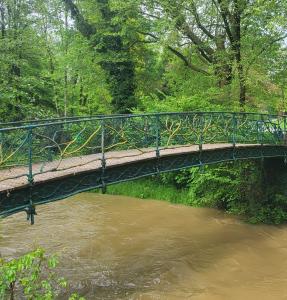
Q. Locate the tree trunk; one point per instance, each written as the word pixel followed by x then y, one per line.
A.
pixel 66 71
pixel 224 75
pixel 237 49
pixel 242 86
pixel 2 20
pixel 120 73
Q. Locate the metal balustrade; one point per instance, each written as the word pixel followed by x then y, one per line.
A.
pixel 47 160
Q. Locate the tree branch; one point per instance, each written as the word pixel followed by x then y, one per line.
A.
pixel 265 48
pixel 150 35
pixel 224 14
pixel 186 61
pixel 179 55
pixel 206 51
pixel 200 25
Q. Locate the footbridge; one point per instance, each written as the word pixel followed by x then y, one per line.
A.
pixel 47 160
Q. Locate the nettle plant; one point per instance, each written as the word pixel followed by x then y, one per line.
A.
pixel 32 276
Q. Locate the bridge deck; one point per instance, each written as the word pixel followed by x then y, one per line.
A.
pixel 76 165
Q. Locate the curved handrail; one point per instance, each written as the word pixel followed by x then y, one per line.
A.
pixel 44 142
pixel 76 119
pixel 39 149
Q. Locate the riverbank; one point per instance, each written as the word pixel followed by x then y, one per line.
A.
pixel 237 188
pixel 151 189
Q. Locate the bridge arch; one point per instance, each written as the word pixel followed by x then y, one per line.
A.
pixel 44 161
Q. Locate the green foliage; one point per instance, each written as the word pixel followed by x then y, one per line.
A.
pixel 149 189
pixel 87 57
pixel 197 53
pixel 238 188
pixel 31 276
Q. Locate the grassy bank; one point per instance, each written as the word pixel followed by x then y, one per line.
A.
pixel 151 189
pixel 242 188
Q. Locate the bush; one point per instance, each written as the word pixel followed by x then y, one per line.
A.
pixel 237 187
pixel 31 276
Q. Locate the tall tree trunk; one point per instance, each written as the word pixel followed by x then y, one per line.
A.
pixel 237 49
pixel 2 19
pixel 222 62
pixel 242 86
pixel 120 73
pixel 232 26
pixel 66 71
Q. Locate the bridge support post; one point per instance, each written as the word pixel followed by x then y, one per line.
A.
pixel 234 131
pixel 201 141
pixel 158 139
pixel 261 137
pixel 31 209
pixel 31 212
pixel 103 157
pixel 158 143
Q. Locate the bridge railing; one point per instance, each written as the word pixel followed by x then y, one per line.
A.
pixel 38 148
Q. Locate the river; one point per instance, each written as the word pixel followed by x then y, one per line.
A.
pixel 114 247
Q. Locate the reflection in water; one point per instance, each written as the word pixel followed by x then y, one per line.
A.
pixel 115 247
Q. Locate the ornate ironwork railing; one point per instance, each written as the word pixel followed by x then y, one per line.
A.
pixel 56 139
pixel 32 148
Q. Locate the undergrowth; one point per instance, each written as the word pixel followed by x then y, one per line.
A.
pixel 240 188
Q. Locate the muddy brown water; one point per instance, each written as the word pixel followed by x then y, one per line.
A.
pixel 114 247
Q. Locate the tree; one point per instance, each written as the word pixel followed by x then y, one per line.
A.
pixel 215 32
pixel 105 36
pixel 22 79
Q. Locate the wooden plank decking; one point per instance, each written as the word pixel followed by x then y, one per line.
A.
pixel 16 177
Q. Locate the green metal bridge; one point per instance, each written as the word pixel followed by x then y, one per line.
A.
pixel 47 160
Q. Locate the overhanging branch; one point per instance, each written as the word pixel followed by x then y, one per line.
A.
pixel 187 62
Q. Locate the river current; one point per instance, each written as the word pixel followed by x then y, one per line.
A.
pixel 114 247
